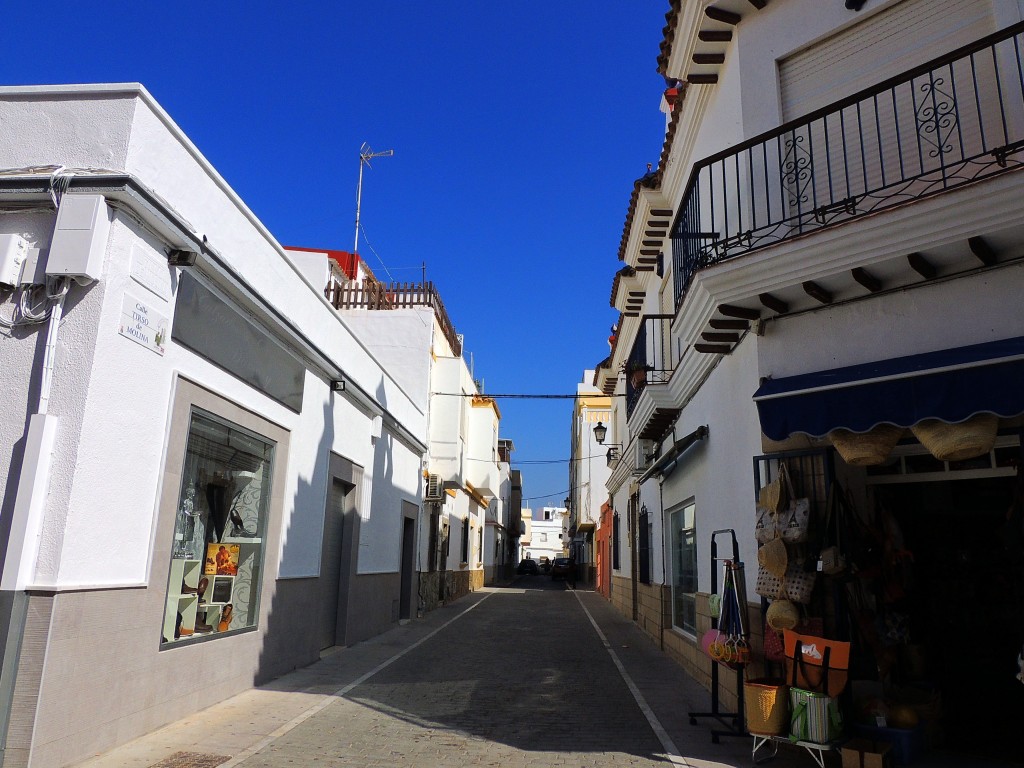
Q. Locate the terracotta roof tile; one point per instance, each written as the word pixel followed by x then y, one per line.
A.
pixel 669 34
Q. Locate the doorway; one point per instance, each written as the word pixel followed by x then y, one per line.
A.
pixel 337 559
pixel 960 590
pixel 408 560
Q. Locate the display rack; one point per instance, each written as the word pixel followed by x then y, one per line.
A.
pixel 731 722
pixel 814 749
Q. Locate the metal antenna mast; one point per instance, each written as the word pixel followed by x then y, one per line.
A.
pixel 366 154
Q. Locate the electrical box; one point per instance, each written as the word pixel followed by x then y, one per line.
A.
pixel 13 252
pixel 79 238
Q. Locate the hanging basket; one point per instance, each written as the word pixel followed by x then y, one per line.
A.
pixel 956 442
pixel 782 614
pixel 865 449
pixel 766 704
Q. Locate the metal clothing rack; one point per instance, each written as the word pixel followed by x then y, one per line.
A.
pixel 731 722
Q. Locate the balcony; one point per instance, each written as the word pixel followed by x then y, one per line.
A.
pixel 384 296
pixel 942 126
pixel 648 368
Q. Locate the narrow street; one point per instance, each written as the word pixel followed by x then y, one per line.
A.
pixel 519 676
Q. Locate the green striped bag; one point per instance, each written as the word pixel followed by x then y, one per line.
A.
pixel 814 717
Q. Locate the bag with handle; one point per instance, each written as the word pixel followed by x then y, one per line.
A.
pixel 774 496
pixel 815 663
pixel 814 717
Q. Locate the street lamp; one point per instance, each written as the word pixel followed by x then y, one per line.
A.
pixel 600 433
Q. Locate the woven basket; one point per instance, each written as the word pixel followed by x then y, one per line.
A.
pixel 766 704
pixel 956 442
pixel 864 449
pixel 782 614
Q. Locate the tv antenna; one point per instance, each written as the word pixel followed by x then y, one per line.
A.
pixel 366 154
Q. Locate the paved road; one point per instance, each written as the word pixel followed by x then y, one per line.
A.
pixel 533 675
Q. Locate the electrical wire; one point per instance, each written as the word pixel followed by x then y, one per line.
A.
pixel 525 396
pixel 367 241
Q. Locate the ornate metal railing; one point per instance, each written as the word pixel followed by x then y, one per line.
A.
pixel 650 359
pixel 939 126
pixel 375 295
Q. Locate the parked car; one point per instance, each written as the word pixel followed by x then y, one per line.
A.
pixel 561 568
pixel 527 565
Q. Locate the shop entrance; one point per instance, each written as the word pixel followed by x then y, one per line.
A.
pixel 955 602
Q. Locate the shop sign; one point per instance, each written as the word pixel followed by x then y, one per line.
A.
pixel 142 324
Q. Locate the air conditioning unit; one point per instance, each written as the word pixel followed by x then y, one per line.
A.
pixel 435 491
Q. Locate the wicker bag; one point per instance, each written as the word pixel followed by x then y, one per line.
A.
pixel 766 705
pixel 865 449
pixel 956 442
pixel 773 496
pixel 773 557
pixel 768 584
pixel 799 583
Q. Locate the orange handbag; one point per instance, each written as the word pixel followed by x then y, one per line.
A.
pixel 816 663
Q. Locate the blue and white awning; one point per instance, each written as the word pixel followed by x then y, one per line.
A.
pixel 951 385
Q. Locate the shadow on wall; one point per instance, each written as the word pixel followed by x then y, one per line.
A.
pixel 291 640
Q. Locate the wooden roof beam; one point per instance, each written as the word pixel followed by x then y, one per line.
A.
pixel 715 35
pixel 730 310
pixel 866 279
pixel 773 303
pixel 728 325
pixel 921 265
pixel 982 250
pixel 713 349
pixel 720 338
pixel 726 17
pixel 817 293
pixel 708 58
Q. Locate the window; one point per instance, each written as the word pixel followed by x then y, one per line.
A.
pixel 547 514
pixel 465 540
pixel 544 537
pixel 683 543
pixel 219 529
pixel 615 541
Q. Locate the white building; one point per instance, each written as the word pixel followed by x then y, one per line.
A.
pixel 547 533
pixel 589 462
pixel 830 244
pixel 210 478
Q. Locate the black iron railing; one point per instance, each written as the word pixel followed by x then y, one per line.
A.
pixel 650 360
pixel 945 124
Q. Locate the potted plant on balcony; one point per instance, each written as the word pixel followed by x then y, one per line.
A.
pixel 637 370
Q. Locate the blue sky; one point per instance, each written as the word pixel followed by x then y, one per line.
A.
pixel 518 130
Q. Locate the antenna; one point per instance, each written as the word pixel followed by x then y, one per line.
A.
pixel 366 154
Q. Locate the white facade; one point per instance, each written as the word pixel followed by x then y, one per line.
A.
pixel 98 530
pixel 740 291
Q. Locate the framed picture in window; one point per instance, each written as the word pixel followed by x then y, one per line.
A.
pixel 222 586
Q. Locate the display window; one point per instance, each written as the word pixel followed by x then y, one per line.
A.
pixel 219 530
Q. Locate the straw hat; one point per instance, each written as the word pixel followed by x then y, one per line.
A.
pixel 772 556
pixel 865 449
pixel 782 614
pixel 956 442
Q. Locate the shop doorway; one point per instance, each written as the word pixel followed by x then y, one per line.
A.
pixel 960 590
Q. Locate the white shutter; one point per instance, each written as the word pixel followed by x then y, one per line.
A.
pixel 882 46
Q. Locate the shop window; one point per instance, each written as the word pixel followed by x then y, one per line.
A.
pixel 219 532
pixel 683 545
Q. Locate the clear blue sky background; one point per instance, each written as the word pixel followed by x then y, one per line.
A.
pixel 518 130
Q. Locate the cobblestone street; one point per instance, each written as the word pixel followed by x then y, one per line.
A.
pixel 518 676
